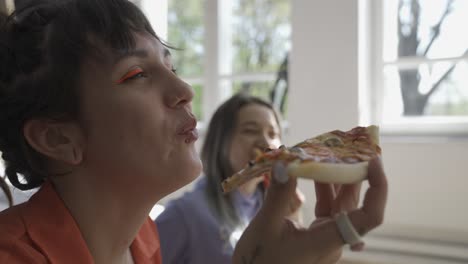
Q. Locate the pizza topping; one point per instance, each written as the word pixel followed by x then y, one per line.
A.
pixel 366 151
pixel 298 150
pixel 333 142
pixel 336 147
pixel 362 157
pixel 350 159
pixel 301 153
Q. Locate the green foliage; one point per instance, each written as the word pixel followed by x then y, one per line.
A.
pixel 261 34
pixel 259 89
pixel 448 109
pixel 261 39
pixel 186 32
pixel 197 101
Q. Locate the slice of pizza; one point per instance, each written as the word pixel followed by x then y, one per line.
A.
pixel 332 157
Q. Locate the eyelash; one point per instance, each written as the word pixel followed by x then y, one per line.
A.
pixel 255 131
pixel 133 74
pixel 250 131
pixel 136 73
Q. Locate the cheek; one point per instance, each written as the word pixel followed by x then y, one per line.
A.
pixel 124 131
pixel 144 132
pixel 241 152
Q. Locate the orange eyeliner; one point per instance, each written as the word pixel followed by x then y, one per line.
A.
pixel 129 74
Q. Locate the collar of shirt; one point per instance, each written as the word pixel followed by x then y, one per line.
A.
pixel 53 229
pixel 55 232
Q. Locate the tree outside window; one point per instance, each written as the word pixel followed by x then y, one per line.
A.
pixel 425 55
pixel 260 41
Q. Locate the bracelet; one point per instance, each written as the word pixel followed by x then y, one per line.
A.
pixel 347 231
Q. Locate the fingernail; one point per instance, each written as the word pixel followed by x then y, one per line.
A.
pixel 357 247
pixel 280 173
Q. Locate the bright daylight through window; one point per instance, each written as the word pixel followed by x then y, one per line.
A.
pixel 422 51
pixel 228 46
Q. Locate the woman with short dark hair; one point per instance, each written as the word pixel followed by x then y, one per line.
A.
pixel 92 114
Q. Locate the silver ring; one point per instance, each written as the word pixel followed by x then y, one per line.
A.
pixel 347 230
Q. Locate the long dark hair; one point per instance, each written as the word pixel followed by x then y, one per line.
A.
pixel 42 47
pixel 215 154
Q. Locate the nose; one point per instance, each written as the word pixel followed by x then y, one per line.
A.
pixel 264 141
pixel 179 95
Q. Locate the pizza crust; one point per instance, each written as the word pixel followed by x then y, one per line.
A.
pixel 245 175
pixel 340 173
pixel 374 134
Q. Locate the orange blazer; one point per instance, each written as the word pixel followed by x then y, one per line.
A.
pixel 42 230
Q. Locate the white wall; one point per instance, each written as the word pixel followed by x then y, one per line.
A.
pixel 427 177
pixel 323 72
pixel 428 201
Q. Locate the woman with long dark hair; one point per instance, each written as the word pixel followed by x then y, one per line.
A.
pixel 241 126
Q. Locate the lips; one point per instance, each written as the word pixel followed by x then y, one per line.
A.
pixel 188 130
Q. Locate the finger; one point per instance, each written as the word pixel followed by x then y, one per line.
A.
pixel 276 205
pixel 325 195
pixel 337 188
pixel 300 195
pixel 332 257
pixel 319 220
pixel 325 236
pixel 296 201
pixel 371 214
pixel 358 247
pixel 322 236
pixel 347 199
pixel 376 196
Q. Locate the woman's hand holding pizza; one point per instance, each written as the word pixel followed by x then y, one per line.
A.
pixel 295 206
pixel 332 199
pixel 272 238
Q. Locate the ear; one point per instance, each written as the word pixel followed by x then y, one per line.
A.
pixel 61 141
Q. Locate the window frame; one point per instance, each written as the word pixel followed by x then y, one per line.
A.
pixel 371 92
pixel 218 76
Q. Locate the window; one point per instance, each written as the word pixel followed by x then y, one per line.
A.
pixel 421 71
pixel 228 46
pixel 186 32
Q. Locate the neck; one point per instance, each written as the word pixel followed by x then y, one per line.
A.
pixel 108 222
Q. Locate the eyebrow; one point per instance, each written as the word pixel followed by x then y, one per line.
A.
pixel 253 123
pixel 249 123
pixel 140 53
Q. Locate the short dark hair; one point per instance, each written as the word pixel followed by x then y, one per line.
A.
pixel 215 152
pixel 3 184
pixel 42 48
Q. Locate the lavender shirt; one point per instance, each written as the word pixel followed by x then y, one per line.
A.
pixel 190 233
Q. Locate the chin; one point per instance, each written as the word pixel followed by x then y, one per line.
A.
pixel 195 170
pixel 184 175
